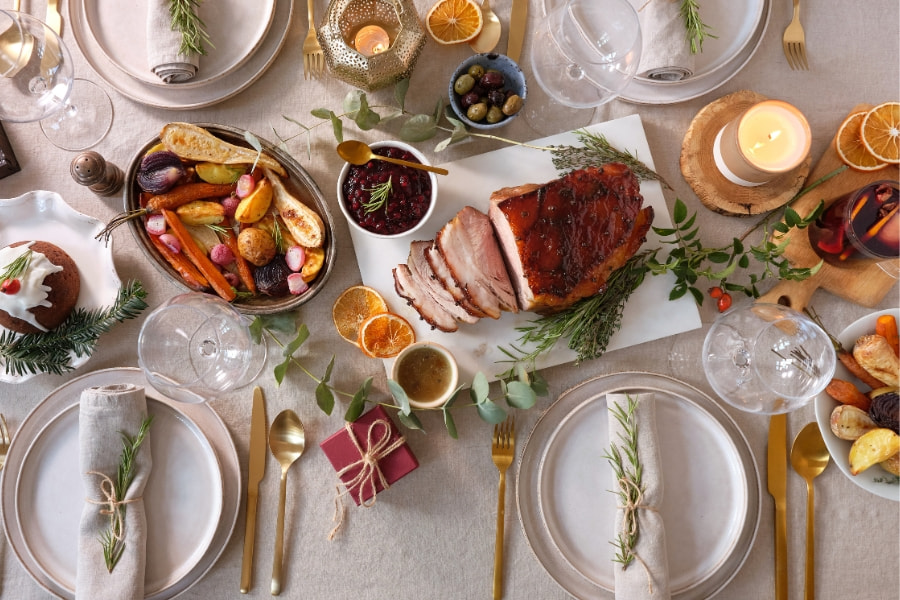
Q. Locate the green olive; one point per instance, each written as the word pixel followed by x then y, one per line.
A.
pixel 477 112
pixel 512 105
pixel 494 114
pixel 464 84
pixel 476 71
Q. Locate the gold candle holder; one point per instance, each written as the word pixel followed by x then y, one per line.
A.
pixel 371 44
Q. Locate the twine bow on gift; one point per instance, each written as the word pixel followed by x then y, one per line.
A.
pixel 114 506
pixel 370 473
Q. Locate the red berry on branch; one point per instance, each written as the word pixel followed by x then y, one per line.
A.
pixel 724 303
pixel 715 292
pixel 10 286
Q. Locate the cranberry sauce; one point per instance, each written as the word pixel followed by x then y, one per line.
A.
pixel 409 199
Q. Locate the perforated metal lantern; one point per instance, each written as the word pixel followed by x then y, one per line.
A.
pixel 343 21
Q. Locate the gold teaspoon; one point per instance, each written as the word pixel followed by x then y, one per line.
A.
pixel 359 153
pixel 287 440
pixel 490 31
pixel 809 457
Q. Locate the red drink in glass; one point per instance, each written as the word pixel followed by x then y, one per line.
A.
pixel 860 227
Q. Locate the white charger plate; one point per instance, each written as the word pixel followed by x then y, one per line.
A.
pixel 236 29
pixel 45 216
pixel 711 499
pixel 194 460
pixel 874 479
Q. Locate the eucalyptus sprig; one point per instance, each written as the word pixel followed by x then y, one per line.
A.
pixel 16 267
pixel 185 20
pixel 696 30
pixel 626 465
pixel 378 196
pixel 51 352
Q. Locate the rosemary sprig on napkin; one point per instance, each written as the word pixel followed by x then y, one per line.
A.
pixel 194 38
pixel 697 30
pixel 626 466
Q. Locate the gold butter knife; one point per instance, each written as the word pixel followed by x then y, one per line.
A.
pixel 777 483
pixel 53 19
pixel 257 468
pixel 518 19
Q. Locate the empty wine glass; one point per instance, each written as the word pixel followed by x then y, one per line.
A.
pixel 37 83
pixel 583 54
pixel 196 346
pixel 767 358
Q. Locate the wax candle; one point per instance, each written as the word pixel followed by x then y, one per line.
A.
pixel 768 139
pixel 371 40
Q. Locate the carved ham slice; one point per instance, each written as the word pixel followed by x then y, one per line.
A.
pixel 425 277
pixel 442 272
pixel 431 312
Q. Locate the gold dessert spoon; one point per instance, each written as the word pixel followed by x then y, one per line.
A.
pixel 287 440
pixel 490 31
pixel 359 153
pixel 809 457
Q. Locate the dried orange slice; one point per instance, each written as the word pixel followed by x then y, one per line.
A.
pixel 880 132
pixel 352 307
pixel 385 335
pixel 454 21
pixel 849 145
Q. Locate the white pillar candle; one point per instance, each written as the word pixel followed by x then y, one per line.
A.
pixel 768 139
pixel 371 40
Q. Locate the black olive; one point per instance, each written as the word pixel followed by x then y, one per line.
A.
pixel 491 80
pixel 271 279
pixel 885 410
pixel 496 97
pixel 469 99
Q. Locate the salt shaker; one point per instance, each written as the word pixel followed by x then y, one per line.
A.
pixel 102 177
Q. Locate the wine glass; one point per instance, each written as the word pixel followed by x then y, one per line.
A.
pixel 767 358
pixel 196 346
pixel 583 54
pixel 37 84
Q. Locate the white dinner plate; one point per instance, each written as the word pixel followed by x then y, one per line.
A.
pixel 236 30
pixel 45 216
pixel 207 93
pixel 648 315
pixel 711 499
pixel 874 479
pixel 192 497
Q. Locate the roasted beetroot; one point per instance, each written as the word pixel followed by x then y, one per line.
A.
pixel 885 410
pixel 271 279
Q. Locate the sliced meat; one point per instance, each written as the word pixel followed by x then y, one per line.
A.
pixel 561 240
pixel 430 311
pixel 445 277
pixel 428 281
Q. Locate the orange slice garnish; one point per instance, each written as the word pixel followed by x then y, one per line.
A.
pixel 352 307
pixel 385 335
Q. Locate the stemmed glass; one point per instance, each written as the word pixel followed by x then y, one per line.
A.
pixel 196 346
pixel 767 358
pixel 37 84
pixel 583 54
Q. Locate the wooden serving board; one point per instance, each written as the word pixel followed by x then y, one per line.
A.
pixel 864 286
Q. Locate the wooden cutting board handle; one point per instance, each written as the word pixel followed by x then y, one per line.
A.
pixel 793 294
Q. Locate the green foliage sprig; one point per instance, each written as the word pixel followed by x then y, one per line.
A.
pixel 378 196
pixel 696 30
pixel 626 465
pixel 185 20
pixel 51 352
pixel 16 267
pixel 594 151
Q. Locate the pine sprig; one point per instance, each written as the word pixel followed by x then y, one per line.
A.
pixel 185 20
pixel 626 465
pixel 51 352
pixel 595 150
pixel 696 30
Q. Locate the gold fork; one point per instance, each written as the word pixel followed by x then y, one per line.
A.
pixel 503 450
pixel 794 41
pixel 313 57
pixel 4 440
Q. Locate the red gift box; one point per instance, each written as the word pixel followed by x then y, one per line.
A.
pixel 372 458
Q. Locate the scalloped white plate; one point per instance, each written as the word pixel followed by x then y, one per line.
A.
pixel 42 215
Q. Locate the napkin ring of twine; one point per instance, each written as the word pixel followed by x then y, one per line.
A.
pixel 630 523
pixel 370 469
pixel 114 506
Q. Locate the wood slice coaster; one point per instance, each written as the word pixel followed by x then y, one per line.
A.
pixel 700 171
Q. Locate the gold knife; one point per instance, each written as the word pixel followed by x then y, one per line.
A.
pixel 518 19
pixel 52 54
pixel 53 20
pixel 777 480
pixel 257 468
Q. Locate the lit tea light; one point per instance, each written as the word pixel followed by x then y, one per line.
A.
pixel 371 40
pixel 769 139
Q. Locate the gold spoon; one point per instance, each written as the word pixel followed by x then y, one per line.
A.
pixel 287 440
pixel 359 153
pixel 15 47
pixel 490 31
pixel 809 457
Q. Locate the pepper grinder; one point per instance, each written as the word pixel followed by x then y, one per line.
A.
pixel 102 177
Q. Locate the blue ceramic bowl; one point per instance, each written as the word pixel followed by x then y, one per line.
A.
pixel 513 80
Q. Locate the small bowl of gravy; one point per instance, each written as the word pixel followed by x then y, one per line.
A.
pixel 428 374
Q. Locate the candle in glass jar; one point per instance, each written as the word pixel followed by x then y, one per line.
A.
pixel 371 40
pixel 768 139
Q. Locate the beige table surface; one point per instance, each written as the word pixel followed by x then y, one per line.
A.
pixel 432 534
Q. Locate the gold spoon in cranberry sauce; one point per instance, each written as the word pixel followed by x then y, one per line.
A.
pixel 359 153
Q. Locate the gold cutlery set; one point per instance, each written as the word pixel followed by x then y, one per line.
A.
pixel 794 42
pixel 503 451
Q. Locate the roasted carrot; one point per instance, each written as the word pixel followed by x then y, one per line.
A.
pixel 886 326
pixel 844 355
pixel 243 267
pixel 180 263
pixel 846 392
pixel 188 192
pixel 198 257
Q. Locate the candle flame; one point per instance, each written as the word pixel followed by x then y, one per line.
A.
pixel 773 135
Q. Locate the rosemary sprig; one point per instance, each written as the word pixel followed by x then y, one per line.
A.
pixel 595 151
pixel 696 30
pixel 194 38
pixel 113 539
pixel 51 352
pixel 378 196
pixel 627 468
pixel 16 267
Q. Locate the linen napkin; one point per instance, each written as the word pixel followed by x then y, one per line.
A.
pixel 106 412
pixel 163 45
pixel 647 576
pixel 665 53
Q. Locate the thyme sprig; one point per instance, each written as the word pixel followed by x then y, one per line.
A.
pixel 185 20
pixel 595 150
pixel 628 470
pixel 51 352
pixel 696 30
pixel 378 196
pixel 16 267
pixel 113 539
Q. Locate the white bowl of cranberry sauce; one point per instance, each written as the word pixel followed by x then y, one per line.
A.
pixel 387 200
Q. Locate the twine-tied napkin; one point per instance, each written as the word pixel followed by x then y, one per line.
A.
pixel 665 52
pixel 105 414
pixel 163 46
pixel 647 575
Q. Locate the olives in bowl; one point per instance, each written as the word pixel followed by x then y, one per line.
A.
pixel 487 90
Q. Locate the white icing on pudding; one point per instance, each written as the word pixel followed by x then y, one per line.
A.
pixel 33 292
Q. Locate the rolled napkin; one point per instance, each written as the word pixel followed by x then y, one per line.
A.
pixel 106 414
pixel 665 52
pixel 163 46
pixel 647 575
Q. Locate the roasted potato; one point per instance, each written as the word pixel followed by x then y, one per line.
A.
pixel 875 355
pixel 872 448
pixel 850 423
